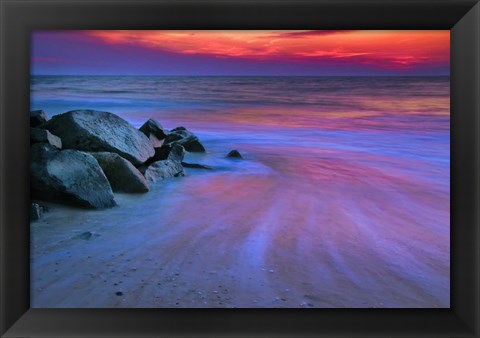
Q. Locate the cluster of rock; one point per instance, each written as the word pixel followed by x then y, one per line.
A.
pixel 81 157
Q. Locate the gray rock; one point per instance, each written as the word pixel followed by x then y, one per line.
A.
pixel 37 118
pixel 156 143
pixel 121 174
pixel 163 169
pixel 38 135
pixel 174 151
pixel 169 166
pixel 234 154
pixel 161 153
pixel 68 176
pixel 186 139
pixel 91 130
pixel 153 128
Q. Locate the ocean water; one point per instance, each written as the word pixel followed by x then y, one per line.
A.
pixel 343 191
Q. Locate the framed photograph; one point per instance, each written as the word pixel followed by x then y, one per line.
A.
pixel 240 168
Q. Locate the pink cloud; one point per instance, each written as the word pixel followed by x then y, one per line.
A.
pixel 386 49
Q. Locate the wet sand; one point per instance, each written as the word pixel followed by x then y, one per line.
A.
pixel 346 230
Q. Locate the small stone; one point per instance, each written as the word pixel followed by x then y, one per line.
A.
pixel 234 154
pixel 85 235
pixel 119 293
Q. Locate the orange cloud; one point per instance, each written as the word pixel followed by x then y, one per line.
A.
pixel 389 49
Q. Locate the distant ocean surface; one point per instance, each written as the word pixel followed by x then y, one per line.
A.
pixel 404 117
pixel 359 165
pixel 319 102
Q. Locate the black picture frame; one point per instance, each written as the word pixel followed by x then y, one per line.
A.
pixel 19 17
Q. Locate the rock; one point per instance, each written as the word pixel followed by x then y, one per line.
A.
pixel 91 130
pixel 176 152
pixel 234 154
pixel 165 152
pixel 85 235
pixel 36 211
pixel 121 174
pixel 153 128
pixel 185 138
pixel 37 118
pixel 161 154
pixel 171 166
pixel 163 169
pixel 196 165
pixel 156 143
pixel 38 135
pixel 68 176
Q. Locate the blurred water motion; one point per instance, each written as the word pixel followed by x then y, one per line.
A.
pixel 345 180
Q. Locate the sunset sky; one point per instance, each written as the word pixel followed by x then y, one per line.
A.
pixel 346 52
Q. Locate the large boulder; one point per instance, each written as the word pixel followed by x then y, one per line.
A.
pixel 91 130
pixel 186 139
pixel 68 176
pixel 154 131
pixel 37 118
pixel 121 174
pixel 38 135
pixel 171 166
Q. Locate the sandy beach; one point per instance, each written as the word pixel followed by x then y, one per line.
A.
pixel 247 235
